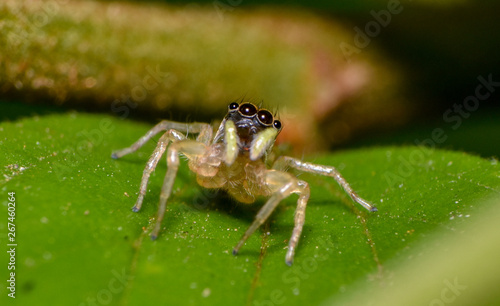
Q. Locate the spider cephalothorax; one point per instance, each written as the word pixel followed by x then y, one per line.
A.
pixel 233 160
pixel 249 120
pixel 250 128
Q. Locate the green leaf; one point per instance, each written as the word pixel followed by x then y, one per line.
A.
pixel 78 242
pixel 451 267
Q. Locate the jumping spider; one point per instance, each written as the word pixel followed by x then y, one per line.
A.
pixel 234 160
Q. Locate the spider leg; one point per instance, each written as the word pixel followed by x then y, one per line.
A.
pixel 171 135
pixel 300 216
pixel 330 171
pixel 283 184
pixel 203 129
pixel 190 148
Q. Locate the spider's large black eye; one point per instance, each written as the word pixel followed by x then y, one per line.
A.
pixel 265 117
pixel 248 109
pixel 233 106
pixel 277 124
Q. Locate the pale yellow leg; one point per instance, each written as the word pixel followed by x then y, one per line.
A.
pixel 203 129
pixel 283 184
pixel 172 134
pixel 190 148
pixel 330 171
pixel 300 215
pixel 165 139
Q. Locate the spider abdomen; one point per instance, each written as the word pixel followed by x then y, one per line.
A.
pixel 244 180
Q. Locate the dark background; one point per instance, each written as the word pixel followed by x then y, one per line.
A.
pixel 443 49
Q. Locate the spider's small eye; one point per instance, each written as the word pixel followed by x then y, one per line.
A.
pixel 265 117
pixel 233 106
pixel 277 124
pixel 248 109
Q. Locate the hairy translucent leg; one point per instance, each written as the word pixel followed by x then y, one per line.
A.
pixel 191 148
pixel 300 216
pixel 166 190
pixel 262 216
pixel 171 135
pixel 330 171
pixel 203 129
pixel 284 184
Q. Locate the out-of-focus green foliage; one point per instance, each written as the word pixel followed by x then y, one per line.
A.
pixel 191 61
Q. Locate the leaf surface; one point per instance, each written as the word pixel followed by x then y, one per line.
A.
pixel 80 243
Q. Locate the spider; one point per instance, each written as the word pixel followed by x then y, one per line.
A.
pixel 234 160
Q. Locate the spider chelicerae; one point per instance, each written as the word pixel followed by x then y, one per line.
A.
pixel 234 160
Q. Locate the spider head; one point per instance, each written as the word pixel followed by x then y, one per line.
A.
pixel 250 121
pixel 249 129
